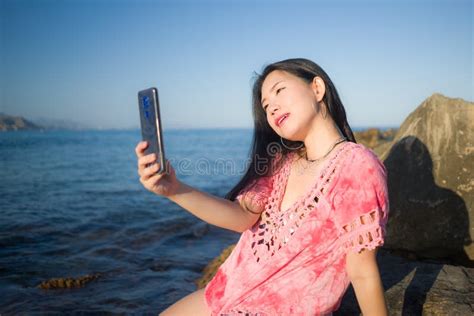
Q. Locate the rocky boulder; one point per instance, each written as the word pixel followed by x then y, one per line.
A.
pixel 430 166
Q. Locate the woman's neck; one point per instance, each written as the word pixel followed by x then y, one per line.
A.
pixel 321 137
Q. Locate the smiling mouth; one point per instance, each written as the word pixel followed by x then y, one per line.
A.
pixel 282 120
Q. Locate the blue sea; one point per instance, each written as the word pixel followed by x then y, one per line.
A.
pixel 71 205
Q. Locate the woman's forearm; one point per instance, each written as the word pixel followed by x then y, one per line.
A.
pixel 211 209
pixel 370 296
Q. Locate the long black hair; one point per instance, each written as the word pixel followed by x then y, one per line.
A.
pixel 267 148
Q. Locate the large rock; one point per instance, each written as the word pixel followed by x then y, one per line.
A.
pixel 430 167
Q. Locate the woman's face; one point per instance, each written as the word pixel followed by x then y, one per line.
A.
pixel 288 102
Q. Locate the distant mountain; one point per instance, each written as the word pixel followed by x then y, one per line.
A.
pixel 55 124
pixel 14 123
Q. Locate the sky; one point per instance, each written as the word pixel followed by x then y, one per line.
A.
pixel 86 60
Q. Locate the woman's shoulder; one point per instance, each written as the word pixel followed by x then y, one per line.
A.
pixel 360 167
pixel 360 158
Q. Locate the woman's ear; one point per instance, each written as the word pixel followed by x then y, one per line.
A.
pixel 318 87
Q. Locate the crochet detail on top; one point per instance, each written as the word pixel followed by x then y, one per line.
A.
pixel 240 312
pixel 275 227
pixel 364 232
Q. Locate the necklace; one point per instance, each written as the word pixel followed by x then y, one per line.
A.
pixel 312 162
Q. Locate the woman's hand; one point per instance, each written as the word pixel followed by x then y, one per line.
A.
pixel 165 184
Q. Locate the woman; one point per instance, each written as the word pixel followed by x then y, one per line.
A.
pixel 311 219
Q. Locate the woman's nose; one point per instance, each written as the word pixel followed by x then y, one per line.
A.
pixel 273 108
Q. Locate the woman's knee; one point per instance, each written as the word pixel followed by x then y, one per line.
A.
pixel 193 304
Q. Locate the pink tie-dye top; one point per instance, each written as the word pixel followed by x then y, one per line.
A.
pixel 292 262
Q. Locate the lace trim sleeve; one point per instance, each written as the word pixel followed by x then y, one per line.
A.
pixel 367 231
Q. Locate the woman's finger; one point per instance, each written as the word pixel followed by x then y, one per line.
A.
pixel 145 160
pixel 155 178
pixel 151 181
pixel 147 173
pixel 140 148
pixel 151 170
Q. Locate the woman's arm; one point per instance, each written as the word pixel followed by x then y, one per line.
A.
pixel 365 278
pixel 214 210
pixel 236 216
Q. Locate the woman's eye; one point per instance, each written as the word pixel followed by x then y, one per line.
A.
pixel 265 107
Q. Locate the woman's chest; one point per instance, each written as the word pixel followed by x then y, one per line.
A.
pixel 284 234
pixel 300 181
pixel 296 213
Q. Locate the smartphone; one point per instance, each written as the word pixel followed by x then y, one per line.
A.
pixel 150 121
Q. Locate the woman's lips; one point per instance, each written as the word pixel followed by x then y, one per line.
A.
pixel 280 121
